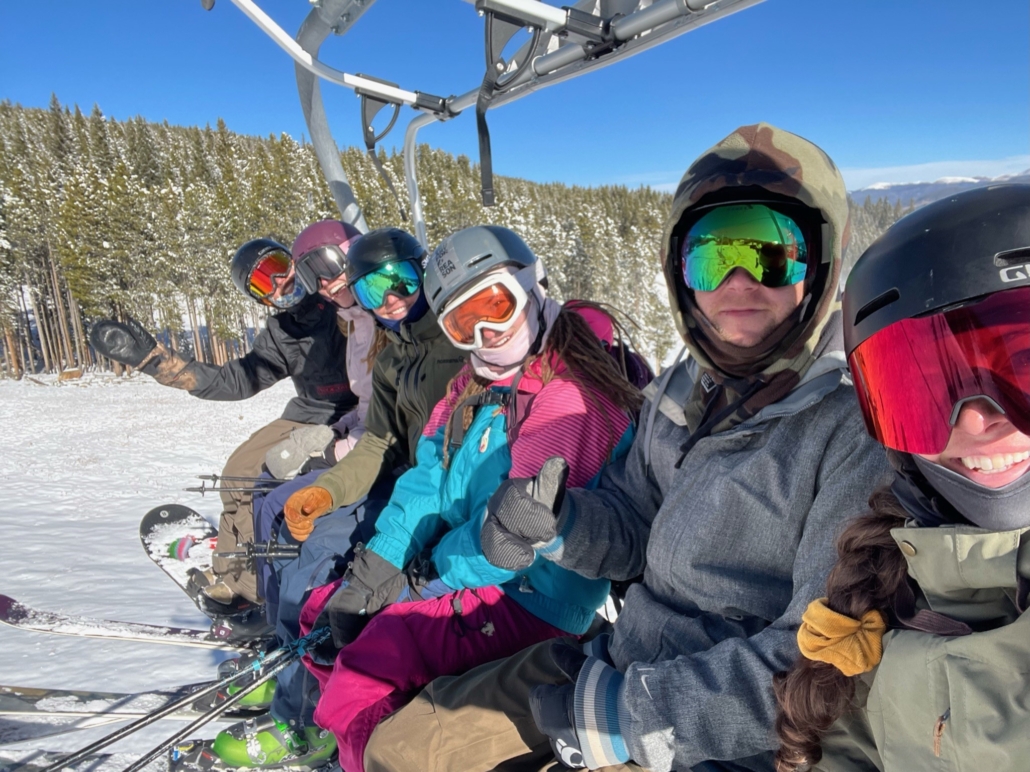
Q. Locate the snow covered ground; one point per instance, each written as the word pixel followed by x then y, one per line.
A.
pixel 82 461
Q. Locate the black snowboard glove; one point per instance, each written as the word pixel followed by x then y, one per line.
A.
pixel 553 707
pixel 370 584
pixel 582 721
pixel 523 515
pixel 127 342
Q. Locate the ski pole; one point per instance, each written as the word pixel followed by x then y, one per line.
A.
pixel 262 661
pixel 294 651
pixel 222 489
pixel 216 477
pixel 261 549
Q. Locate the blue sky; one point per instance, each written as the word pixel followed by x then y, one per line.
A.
pixel 894 90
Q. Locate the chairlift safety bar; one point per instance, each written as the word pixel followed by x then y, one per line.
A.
pixel 573 46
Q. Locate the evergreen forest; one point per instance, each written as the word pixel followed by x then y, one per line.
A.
pixel 104 218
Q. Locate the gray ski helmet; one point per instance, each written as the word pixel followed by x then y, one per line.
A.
pixel 466 255
pixel 247 257
pixel 953 250
pixel 383 245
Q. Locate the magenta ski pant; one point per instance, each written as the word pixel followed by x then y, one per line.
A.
pixel 405 647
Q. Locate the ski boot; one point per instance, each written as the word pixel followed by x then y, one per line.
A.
pixel 258 701
pixel 258 743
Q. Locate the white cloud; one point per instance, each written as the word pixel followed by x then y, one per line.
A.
pixel 857 178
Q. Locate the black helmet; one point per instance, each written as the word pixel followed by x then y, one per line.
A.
pixel 383 245
pixel 953 250
pixel 464 256
pixel 245 260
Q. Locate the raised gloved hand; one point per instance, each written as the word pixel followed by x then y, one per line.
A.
pixel 523 515
pixel 129 342
pixel 288 458
pixel 370 584
pixel 304 507
pixel 581 719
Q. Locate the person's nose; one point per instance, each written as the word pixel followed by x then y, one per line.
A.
pixel 740 280
pixel 978 416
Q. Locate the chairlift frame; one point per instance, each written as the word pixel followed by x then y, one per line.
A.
pixel 565 43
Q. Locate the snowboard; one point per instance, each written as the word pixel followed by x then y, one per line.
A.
pixel 16 614
pixel 179 541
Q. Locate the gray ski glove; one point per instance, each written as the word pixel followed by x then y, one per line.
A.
pixel 524 515
pixel 286 460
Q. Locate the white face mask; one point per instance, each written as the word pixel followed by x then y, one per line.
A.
pixel 503 361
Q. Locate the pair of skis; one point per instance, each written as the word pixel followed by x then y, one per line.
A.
pixel 161 529
pixel 263 668
pixel 179 541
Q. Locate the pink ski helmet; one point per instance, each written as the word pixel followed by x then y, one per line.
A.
pixel 320 251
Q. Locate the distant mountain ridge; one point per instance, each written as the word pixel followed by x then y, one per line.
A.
pixel 919 193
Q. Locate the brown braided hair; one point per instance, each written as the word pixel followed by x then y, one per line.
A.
pixel 573 343
pixel 870 570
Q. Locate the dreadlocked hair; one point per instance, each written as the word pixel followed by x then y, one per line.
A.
pixel 870 570
pixel 572 342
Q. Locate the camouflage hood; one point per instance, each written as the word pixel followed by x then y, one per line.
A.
pixel 761 158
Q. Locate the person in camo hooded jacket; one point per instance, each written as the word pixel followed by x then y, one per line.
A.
pixel 750 458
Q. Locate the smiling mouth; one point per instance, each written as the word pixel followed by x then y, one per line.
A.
pixel 999 462
pixel 499 341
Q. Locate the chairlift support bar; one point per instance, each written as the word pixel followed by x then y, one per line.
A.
pixel 576 40
pixel 268 25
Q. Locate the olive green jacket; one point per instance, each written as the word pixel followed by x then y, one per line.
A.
pixel 409 377
pixel 940 703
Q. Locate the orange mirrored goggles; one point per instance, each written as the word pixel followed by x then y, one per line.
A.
pixel 493 307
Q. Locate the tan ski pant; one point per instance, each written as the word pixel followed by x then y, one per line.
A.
pixel 236 525
pixel 475 722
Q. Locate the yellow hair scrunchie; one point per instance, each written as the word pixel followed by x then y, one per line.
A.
pixel 853 646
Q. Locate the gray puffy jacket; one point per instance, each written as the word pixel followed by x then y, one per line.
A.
pixel 732 546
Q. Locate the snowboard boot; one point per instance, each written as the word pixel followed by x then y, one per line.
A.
pixel 258 743
pixel 219 592
pixel 215 597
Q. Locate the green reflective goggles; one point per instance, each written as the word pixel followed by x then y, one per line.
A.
pixel 767 244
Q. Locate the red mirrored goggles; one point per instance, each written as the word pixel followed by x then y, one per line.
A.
pixel 266 270
pixel 913 376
